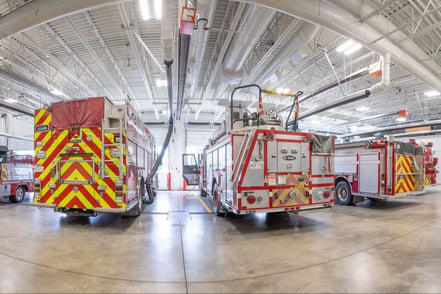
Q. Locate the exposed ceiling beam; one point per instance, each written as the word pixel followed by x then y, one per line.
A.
pixel 96 58
pixel 40 11
pixel 50 31
pixel 67 72
pixel 139 56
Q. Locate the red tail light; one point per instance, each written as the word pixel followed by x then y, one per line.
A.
pixel 326 194
pixel 251 199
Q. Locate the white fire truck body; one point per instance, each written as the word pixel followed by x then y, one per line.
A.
pixel 16 175
pixel 378 169
pixel 257 165
pixel 269 170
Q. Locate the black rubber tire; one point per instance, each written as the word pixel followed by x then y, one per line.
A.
pixel 217 204
pixel 19 196
pixel 343 194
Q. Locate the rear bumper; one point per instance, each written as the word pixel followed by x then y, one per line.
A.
pixel 67 210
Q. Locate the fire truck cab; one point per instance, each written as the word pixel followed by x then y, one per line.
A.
pixel 380 168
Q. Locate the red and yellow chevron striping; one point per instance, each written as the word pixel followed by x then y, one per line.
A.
pixel 404 173
pixel 73 180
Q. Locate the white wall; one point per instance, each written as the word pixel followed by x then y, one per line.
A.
pixel 17 126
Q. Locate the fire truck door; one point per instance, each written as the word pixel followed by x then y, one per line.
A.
pixel 369 167
pixel 190 169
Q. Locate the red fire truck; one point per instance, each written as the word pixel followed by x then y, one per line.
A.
pixel 380 168
pixel 15 175
pixel 91 156
pixel 430 163
pixel 255 164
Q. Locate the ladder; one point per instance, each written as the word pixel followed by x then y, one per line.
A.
pixel 105 146
pixel 243 151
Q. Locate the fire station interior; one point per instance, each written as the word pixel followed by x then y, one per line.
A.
pixel 136 140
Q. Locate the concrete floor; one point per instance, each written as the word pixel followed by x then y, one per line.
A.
pixel 176 246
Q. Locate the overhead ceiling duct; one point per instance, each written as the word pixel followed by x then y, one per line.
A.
pixel 28 84
pixel 396 127
pixel 291 51
pixel 206 10
pixel 338 16
pixel 384 83
pixel 17 108
pixel 39 11
pixel 257 20
pixel 167 49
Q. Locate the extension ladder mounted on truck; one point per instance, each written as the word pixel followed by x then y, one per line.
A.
pixel 257 165
pixel 91 156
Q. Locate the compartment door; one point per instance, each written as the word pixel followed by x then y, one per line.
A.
pixel 369 168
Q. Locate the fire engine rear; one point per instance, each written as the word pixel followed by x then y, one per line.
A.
pixel 255 164
pixel 380 168
pixel 91 156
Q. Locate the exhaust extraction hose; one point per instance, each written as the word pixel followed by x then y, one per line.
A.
pixel 149 182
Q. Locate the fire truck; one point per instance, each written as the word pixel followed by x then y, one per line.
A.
pixel 255 164
pixel 380 168
pixel 15 175
pixel 430 163
pixel 92 156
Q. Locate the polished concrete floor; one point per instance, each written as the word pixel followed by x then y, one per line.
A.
pixel 177 246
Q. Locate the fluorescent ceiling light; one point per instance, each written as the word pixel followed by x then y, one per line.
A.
pixel 362 108
pixel 11 100
pixel 151 9
pixel 348 47
pixel 431 93
pixel 161 83
pixel 352 49
pixel 345 45
pixel 400 119
pixel 56 92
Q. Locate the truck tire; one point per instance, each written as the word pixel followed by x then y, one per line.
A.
pixel 202 192
pixel 136 210
pixel 343 194
pixel 19 195
pixel 217 204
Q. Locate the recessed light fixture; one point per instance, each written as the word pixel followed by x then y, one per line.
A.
pixel 11 100
pixel 432 93
pixel 349 47
pixel 362 108
pixel 151 9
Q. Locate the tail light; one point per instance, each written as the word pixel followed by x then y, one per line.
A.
pixel 326 194
pixel 119 191
pixel 37 188
pixel 251 199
